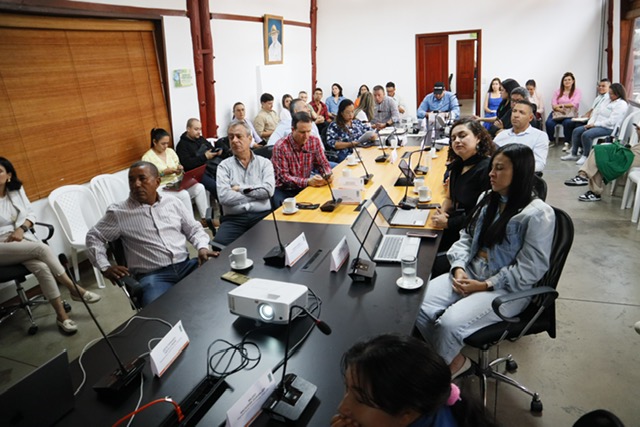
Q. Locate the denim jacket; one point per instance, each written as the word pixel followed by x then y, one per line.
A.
pixel 522 258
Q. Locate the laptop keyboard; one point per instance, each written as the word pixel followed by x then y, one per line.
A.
pixel 391 247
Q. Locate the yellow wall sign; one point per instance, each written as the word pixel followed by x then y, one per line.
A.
pixel 182 78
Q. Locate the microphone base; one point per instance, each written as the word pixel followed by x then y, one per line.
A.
pixel 298 394
pixel 409 203
pixel 362 271
pixel 403 182
pixel 275 257
pixel 330 205
pixel 115 383
pixel 382 159
pixel 421 170
pixel 367 178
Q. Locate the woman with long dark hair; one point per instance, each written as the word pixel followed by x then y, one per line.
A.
pixel 334 100
pixel 492 100
pixel 345 131
pixel 18 245
pixel 567 97
pixel 505 248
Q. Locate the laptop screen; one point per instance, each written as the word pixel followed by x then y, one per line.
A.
pixel 406 170
pixel 359 228
pixel 381 198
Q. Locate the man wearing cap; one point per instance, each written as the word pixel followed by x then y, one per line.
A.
pixel 275 48
pixel 441 101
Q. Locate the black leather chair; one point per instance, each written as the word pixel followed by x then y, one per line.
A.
pixel 598 418
pixel 129 285
pixel 538 317
pixel 540 187
pixel 18 273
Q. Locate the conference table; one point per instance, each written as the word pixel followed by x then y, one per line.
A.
pixel 354 311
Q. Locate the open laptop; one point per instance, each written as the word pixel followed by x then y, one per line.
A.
pixel 395 216
pixel 41 398
pixel 379 246
pixel 189 179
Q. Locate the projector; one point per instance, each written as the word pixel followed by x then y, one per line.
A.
pixel 267 300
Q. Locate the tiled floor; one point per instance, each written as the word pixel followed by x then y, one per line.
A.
pixel 593 363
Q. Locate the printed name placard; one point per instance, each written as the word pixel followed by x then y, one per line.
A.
pixel 168 349
pixel 339 255
pixel 294 250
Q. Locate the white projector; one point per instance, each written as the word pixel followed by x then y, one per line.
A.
pixel 267 300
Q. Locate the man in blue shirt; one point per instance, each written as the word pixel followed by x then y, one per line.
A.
pixel 440 100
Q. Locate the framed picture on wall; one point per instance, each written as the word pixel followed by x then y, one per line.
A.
pixel 273 39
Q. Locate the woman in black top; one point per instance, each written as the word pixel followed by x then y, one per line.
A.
pixel 468 178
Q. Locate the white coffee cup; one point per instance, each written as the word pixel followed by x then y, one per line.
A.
pixel 418 182
pixel 289 205
pixel 238 258
pixel 424 194
pixel 346 173
pixel 351 159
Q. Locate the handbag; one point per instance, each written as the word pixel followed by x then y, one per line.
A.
pixel 565 113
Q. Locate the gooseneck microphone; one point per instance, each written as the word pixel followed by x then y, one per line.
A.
pixel 419 169
pixel 382 158
pixel 114 383
pixel 293 394
pixel 276 256
pixel 330 205
pixel 367 177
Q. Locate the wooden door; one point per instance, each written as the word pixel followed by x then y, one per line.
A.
pixel 465 68
pixel 432 56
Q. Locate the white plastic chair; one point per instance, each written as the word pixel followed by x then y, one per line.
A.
pixel 632 181
pixel 77 210
pixel 108 189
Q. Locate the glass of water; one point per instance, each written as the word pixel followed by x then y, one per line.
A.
pixel 409 269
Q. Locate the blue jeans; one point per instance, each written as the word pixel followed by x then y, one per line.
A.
pixel 209 183
pixel 551 126
pixel 280 194
pixel 583 137
pixel 158 282
pixel 233 226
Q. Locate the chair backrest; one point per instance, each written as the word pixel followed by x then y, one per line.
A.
pixel 540 187
pixel 108 189
pixel 627 131
pixel 598 418
pixel 76 209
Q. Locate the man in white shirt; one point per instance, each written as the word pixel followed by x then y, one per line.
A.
pixel 523 133
pixel 603 94
pixel 391 93
pixel 284 126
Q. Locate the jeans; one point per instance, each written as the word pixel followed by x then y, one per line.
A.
pixel 583 137
pixel 551 126
pixel 209 183
pixel 280 194
pixel 158 282
pixel 233 226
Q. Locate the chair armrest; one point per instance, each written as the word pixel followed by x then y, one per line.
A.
pixel 550 295
pixel 47 226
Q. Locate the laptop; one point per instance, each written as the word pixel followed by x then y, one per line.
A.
pixel 395 216
pixel 189 179
pixel 41 398
pixel 382 247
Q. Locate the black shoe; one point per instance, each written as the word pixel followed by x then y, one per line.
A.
pixel 590 196
pixel 577 181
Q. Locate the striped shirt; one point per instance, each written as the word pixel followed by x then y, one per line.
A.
pixel 153 236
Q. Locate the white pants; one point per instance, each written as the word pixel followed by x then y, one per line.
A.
pixel 196 192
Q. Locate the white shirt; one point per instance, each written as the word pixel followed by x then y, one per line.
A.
pixel 609 114
pixel 533 138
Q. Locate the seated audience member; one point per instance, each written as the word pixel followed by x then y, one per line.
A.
pixel 285 114
pixel 492 101
pixel 605 163
pixel 154 230
pixel 395 380
pixel 168 163
pixel 305 97
pixel 565 99
pixel 365 111
pixel 504 248
pixel 439 100
pixel 240 115
pixel 319 110
pixel 603 94
pixel 523 133
pixel 471 148
pixel 391 93
pixel 194 151
pixel 334 100
pixel 284 127
pixel 242 172
pixel 345 131
pixel 299 160
pixel 267 119
pixel 609 115
pixel 504 109
pixel 18 245
pixel 385 109
pixel 361 91
pixel 535 98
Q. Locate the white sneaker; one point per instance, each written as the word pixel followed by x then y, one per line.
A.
pixel 581 161
pixel 569 157
pixel 566 148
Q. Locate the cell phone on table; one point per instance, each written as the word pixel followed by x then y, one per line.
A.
pixel 422 234
pixel 307 205
pixel 235 278
pixel 428 205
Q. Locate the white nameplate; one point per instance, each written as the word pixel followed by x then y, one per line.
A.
pixel 339 255
pixel 351 182
pixel 168 349
pixel 249 406
pixel 294 250
pixel 349 196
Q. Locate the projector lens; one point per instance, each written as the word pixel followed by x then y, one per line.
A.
pixel 265 311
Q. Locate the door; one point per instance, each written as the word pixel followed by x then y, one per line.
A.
pixel 432 56
pixel 465 68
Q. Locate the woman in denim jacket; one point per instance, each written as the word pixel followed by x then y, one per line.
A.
pixel 505 248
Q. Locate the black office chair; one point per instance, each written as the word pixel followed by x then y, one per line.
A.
pixel 598 418
pixel 540 187
pixel 538 317
pixel 18 273
pixel 129 285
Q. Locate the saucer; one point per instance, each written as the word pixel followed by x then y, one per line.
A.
pixel 290 212
pixel 417 284
pixel 427 200
pixel 248 265
pixel 352 164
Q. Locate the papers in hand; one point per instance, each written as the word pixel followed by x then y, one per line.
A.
pixel 366 137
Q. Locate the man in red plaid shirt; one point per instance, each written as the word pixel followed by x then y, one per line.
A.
pixel 299 160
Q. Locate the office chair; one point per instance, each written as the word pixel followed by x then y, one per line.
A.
pixel 18 273
pixel 598 418
pixel 129 286
pixel 539 316
pixel 540 187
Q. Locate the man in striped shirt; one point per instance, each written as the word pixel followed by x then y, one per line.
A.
pixel 154 230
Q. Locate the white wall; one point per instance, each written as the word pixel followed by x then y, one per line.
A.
pixel 518 41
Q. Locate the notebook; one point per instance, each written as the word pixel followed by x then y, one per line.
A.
pixel 382 247
pixel 395 216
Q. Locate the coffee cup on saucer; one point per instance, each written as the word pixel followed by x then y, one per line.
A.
pixel 417 183
pixel 351 160
pixel 238 259
pixel 424 194
pixel 289 205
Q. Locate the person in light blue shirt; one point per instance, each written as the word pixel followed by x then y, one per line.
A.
pixel 333 102
pixel 440 100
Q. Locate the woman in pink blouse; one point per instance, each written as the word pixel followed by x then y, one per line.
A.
pixel 564 98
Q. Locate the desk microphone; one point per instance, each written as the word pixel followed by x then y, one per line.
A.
pixel 367 177
pixel 289 400
pixel 419 169
pixel 275 257
pixel 116 382
pixel 383 158
pixel 407 202
pixel 330 205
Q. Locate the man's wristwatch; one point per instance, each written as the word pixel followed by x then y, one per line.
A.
pixel 489 285
pixel 24 228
